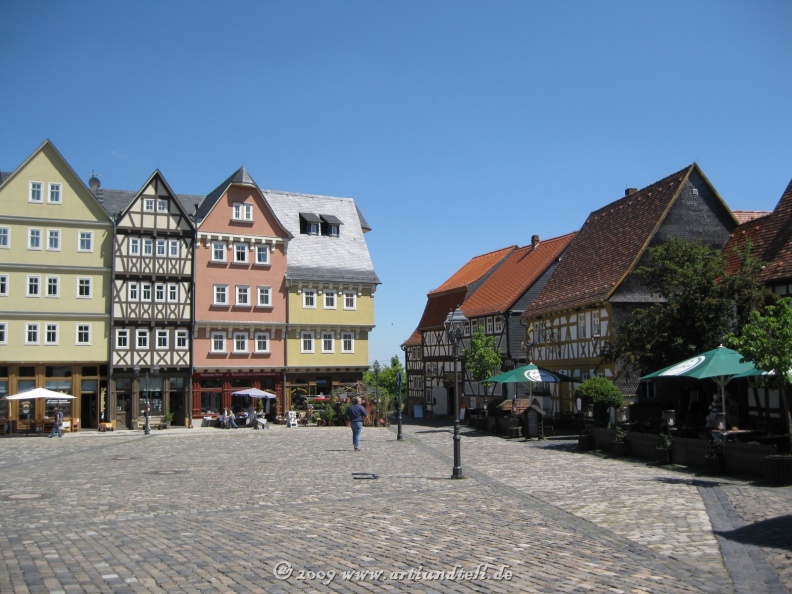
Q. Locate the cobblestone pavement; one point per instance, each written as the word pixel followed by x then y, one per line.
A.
pixel 287 510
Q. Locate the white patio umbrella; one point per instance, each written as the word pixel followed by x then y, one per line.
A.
pixel 40 393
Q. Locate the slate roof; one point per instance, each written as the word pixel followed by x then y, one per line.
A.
pixel 116 201
pixel 239 177
pixel 4 175
pixel 473 270
pixel 521 269
pixel 320 257
pixel 771 237
pixel 608 246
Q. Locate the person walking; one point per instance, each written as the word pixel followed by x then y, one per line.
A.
pixel 232 420
pixel 147 415
pixel 356 414
pixel 56 428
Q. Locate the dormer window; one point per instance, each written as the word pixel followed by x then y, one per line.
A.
pixel 310 224
pixel 330 225
pixel 243 211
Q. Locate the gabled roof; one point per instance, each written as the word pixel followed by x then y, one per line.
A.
pixel 239 178
pixel 414 340
pixel 743 216
pixel 509 281
pixel 438 306
pixel 473 271
pixel 608 246
pixel 116 202
pixel 322 258
pixel 771 238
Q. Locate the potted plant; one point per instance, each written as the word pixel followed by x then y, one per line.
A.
pixel 713 460
pixel 620 445
pixel 663 449
pixel 167 419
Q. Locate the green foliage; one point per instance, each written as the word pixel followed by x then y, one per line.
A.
pixel 621 434
pixel 664 441
pixel 168 417
pixel 481 359
pixel 329 414
pixel 384 384
pixel 600 392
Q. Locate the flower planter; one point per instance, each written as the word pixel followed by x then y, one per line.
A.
pixel 620 448
pixel 778 470
pixel 663 456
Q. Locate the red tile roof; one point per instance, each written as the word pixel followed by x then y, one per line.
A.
pixel 771 237
pixel 473 271
pixel 743 216
pixel 608 246
pixel 438 306
pixel 514 277
pixel 414 340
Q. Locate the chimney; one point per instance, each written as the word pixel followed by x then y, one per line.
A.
pixel 630 191
pixel 534 241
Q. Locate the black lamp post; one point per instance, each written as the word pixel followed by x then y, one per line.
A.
pixel 455 328
pixel 399 412
pixel 376 368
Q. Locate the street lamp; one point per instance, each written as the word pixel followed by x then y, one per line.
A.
pixel 376 368
pixel 155 371
pixel 455 327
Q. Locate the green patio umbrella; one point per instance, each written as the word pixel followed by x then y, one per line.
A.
pixel 720 364
pixel 530 374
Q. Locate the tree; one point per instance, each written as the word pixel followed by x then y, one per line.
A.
pixel 385 383
pixel 482 360
pixel 602 394
pixel 766 341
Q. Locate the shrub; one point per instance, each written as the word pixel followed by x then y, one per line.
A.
pixel 603 394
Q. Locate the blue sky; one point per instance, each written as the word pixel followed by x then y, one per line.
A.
pixel 458 127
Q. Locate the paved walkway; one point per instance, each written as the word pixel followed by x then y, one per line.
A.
pixel 287 510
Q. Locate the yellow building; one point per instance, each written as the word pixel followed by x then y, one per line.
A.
pixel 55 271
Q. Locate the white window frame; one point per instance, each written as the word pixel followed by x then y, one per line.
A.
pixel 330 299
pixel 309 298
pixel 220 291
pixel 32 333
pixel 219 249
pixel 33 280
pixel 173 293
pixel 259 337
pixel 82 335
pixel 122 339
pixel 241 253
pixel 173 249
pixel 55 193
pixel 133 292
pixel 313 228
pixel 5 238
pixel 48 328
pixel 162 248
pixel 182 340
pixel 328 342
pixel 350 295
pixel 242 211
pixel 53 234
pixel 161 340
pixel 56 284
pixel 490 325
pixel 145 292
pixel 581 326
pixel 34 238
pixel 262 255
pixel 160 291
pixel 82 282
pixel 217 342
pixel 241 342
pixel 306 341
pixel 162 205
pixel 263 296
pixel 148 247
pixel 347 342
pixel 4 285
pixel 148 204
pixel 36 189
pixel 85 241
pixel 134 246
pixel 141 339
pixel 498 324
pixel 243 295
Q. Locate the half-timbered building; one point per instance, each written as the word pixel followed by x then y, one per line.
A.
pixel 414 372
pixel 151 336
pixel 594 287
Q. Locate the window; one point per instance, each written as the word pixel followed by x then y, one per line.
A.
pixel 309 298
pixel 159 292
pixel 145 292
pixel 347 342
pixel 221 295
pixel 242 295
pixel 218 342
pixel 181 339
pixel 262 342
pixel 134 246
pixel 313 228
pixel 240 342
pixel 350 300
pixel 4 285
pixel 51 334
pixel 595 322
pixel 218 251
pixel 306 343
pixel 498 324
pixel 53 286
pixel 264 297
pixel 54 193
pixel 330 300
pixel 173 292
pixel 262 254
pixel 327 342
pixel 83 334
pixel 581 325
pixel 142 339
pixel 162 339
pixel 31 333
pixel 148 247
pixel 162 205
pixel 53 240
pixel 5 237
pixel 243 212
pixel 85 242
pixel 240 253
pixel 162 247
pixel 133 294
pixel 35 191
pixel 332 230
pixel 490 326
pixel 122 339
pixel 33 286
pixel 174 248
pixel 84 287
pixel 34 239
pixel 3 333
pixel 148 204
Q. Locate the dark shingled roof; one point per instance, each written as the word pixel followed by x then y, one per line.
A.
pixel 239 177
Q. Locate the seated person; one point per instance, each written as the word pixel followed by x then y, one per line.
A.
pixel 221 419
pixel 231 420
